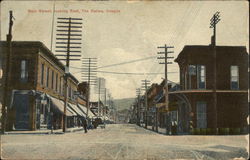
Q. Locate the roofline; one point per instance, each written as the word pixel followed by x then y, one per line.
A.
pixel 206 46
pixel 41 45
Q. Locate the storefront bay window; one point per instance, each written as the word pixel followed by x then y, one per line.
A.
pixel 201 112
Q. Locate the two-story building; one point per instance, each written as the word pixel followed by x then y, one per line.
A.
pixel 36 90
pixel 207 109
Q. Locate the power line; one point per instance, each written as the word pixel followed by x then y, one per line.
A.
pixel 127 62
pixel 122 63
pixel 130 73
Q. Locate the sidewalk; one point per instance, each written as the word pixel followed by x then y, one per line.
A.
pixel 45 131
pixel 160 130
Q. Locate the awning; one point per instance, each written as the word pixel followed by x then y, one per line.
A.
pixel 60 105
pixel 91 114
pixel 72 111
pixel 84 108
pixel 76 109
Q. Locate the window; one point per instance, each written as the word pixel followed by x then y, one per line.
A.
pixel 201 111
pixel 201 77
pixel 60 85
pixel 191 72
pixel 56 82
pixel 69 91
pixel 52 79
pixel 174 117
pixel 24 71
pixel 234 77
pixel 42 74
pixel 47 78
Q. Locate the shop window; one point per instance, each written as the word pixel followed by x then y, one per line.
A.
pixel 201 111
pixel 234 77
pixel 174 117
pixel 24 70
pixel 201 76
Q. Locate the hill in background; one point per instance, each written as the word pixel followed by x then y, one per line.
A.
pixel 123 104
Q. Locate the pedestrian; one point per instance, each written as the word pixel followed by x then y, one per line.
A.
pixel 85 125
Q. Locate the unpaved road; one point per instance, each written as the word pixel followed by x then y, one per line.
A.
pixel 122 141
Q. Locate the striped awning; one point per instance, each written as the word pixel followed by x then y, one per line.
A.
pixel 76 110
pixel 57 103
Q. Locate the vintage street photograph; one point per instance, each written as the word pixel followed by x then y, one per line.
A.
pixel 124 80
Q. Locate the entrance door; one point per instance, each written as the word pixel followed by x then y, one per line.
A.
pixel 21 104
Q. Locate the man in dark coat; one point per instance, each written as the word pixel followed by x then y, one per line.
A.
pixel 85 125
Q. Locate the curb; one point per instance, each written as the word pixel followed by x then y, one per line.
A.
pixel 45 132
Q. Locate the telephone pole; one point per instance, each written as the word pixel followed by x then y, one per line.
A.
pixel 166 57
pixel 138 93
pixel 89 72
pixel 100 89
pixel 7 74
pixel 145 84
pixel 213 21
pixel 105 106
pixel 67 43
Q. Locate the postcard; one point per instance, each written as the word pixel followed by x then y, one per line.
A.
pixel 127 80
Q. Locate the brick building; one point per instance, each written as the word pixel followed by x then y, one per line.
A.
pixel 36 90
pixel 196 95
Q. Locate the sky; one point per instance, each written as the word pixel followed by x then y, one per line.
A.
pixel 132 31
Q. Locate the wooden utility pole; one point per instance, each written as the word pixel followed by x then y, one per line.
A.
pixel 138 93
pixel 7 74
pixel 213 21
pixel 66 28
pixel 145 84
pixel 101 88
pixel 99 93
pixel 166 52
pixel 89 71
pixel 105 105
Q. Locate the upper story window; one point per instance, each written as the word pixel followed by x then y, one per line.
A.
pixel 60 86
pixel 201 77
pixel 69 92
pixel 47 77
pixel 56 81
pixel 234 77
pixel 42 74
pixel 24 70
pixel 191 72
pixel 52 79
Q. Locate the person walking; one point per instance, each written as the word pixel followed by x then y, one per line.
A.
pixel 85 125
